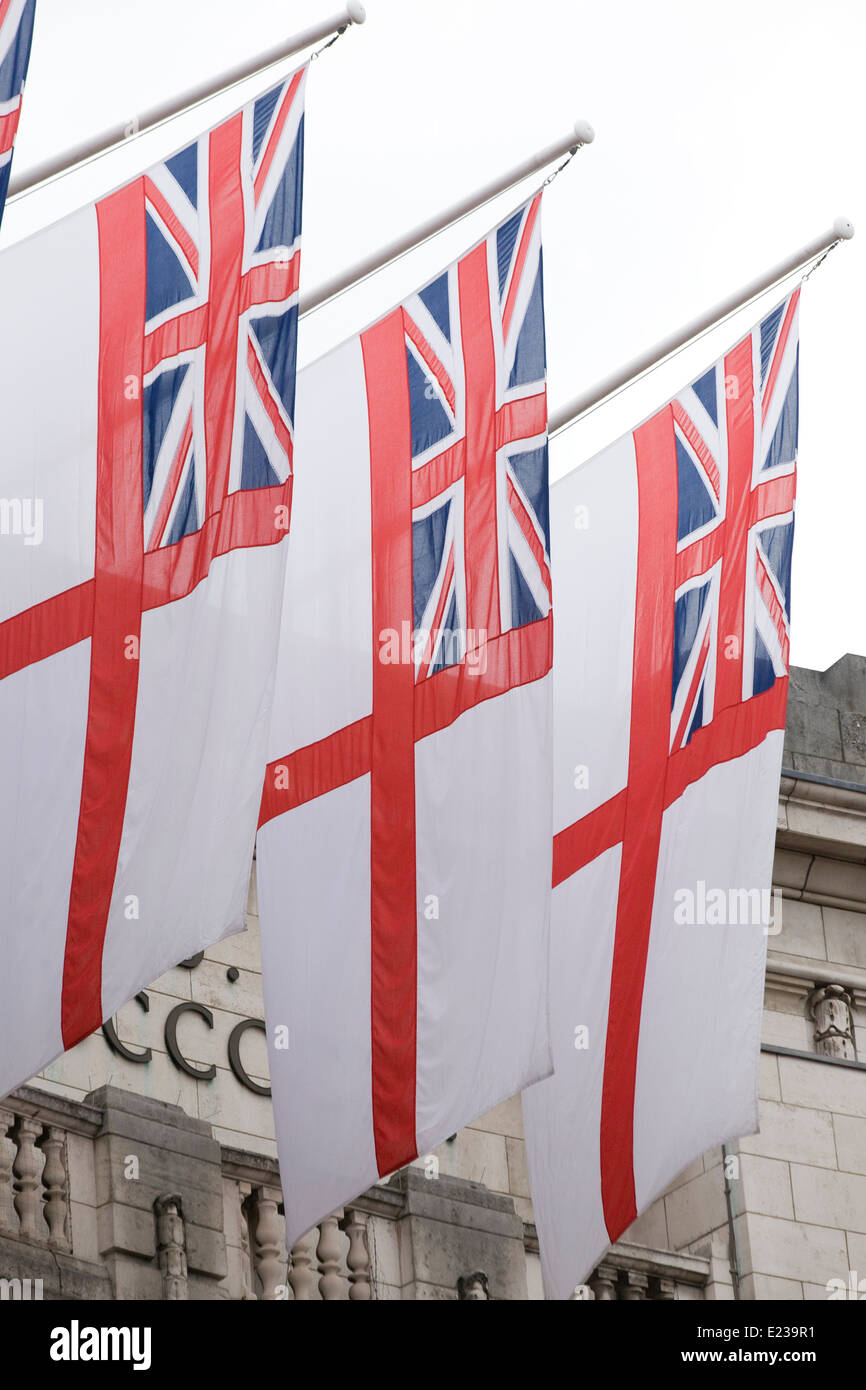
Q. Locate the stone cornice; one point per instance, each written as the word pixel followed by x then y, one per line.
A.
pixel 664 1264
pixel 661 1264
pixel 799 975
pixel 246 1166
pixel 72 1115
pixel 643 1259
pixel 259 1170
pixel 821 815
pixel 802 1056
pixel 830 784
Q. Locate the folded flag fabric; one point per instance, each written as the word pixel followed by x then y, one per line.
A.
pixel 403 864
pixel 147 378
pixel 16 36
pixel 672 570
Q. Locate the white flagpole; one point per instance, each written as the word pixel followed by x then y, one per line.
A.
pixel 842 230
pixel 354 13
pixel 582 133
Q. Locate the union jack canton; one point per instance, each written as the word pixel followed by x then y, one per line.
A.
pixel 747 491
pixel 223 258
pixel 476 369
pixel 16 36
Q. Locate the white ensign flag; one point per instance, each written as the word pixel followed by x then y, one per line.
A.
pixel 147 375
pixel 405 846
pixel 672 571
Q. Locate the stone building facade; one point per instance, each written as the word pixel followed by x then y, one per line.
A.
pixel 143 1162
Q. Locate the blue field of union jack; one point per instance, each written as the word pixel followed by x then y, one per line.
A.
pixel 16 36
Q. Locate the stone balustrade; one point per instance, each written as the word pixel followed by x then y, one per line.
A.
pixel 34 1181
pixel 633 1273
pixel 331 1262
pixel 40 1189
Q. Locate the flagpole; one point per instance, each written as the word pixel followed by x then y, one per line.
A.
pixel 581 133
pixel 842 230
pixel 354 13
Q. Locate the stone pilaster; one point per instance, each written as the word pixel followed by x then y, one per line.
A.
pixel 144 1150
pixel 450 1228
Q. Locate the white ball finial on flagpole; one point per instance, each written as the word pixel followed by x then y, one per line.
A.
pixel 356 12
pixel 647 361
pixel 581 133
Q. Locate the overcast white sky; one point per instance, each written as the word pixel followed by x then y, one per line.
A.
pixel 727 136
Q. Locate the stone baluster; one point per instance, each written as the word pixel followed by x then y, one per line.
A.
pixel 302 1276
pixel 331 1283
pixel 171 1247
pixel 603 1283
pixel 27 1171
pixel 358 1258
pixel 55 1182
pixel 830 1008
pixel 8 1219
pixel 267 1243
pixel 634 1286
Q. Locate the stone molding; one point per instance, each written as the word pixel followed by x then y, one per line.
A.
pixel 661 1264
pixel 242 1165
pixel 804 1056
pixel 826 818
pixel 77 1117
pixel 642 1260
pixel 830 791
pixel 798 976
